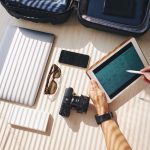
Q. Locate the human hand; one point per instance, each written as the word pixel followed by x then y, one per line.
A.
pixel 146 73
pixel 99 98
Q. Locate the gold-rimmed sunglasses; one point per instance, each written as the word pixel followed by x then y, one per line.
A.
pixel 51 85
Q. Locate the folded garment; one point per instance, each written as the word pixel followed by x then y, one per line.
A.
pixel 56 6
pixel 95 9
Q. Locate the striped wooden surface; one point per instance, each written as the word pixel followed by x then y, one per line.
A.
pixel 79 131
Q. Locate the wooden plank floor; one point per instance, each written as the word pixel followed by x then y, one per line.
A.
pixel 79 132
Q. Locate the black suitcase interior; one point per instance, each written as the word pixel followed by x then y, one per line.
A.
pixel 130 17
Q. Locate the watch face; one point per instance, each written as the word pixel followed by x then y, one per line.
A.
pixel 100 119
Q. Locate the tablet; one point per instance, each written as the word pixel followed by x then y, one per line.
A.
pixel 110 72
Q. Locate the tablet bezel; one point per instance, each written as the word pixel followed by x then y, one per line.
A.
pixel 91 74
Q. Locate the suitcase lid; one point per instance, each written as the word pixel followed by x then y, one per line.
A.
pixel 104 24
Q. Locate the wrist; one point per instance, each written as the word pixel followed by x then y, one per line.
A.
pixel 103 118
pixel 107 123
pixel 101 110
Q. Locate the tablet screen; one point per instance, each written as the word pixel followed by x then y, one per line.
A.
pixel 112 73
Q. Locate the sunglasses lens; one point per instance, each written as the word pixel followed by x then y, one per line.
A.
pixel 57 73
pixel 52 87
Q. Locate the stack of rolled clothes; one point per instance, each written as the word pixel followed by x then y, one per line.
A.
pixel 56 6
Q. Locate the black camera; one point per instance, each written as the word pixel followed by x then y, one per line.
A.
pixel 70 100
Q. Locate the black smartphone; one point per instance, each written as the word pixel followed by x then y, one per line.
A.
pixel 75 59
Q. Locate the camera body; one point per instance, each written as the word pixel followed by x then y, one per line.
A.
pixel 70 100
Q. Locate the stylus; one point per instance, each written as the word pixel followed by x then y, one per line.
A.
pixel 135 72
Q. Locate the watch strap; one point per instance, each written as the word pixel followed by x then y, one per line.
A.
pixel 101 118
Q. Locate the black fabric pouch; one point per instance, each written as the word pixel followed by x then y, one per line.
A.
pixel 123 8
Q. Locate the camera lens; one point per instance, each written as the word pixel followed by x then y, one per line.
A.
pixel 85 103
pixel 80 103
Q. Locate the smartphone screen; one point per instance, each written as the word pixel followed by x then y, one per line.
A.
pixel 75 59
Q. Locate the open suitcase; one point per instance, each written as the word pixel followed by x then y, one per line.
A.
pixel 130 17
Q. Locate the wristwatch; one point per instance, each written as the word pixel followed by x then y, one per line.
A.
pixel 101 118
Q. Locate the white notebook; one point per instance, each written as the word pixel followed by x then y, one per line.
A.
pixel 23 57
